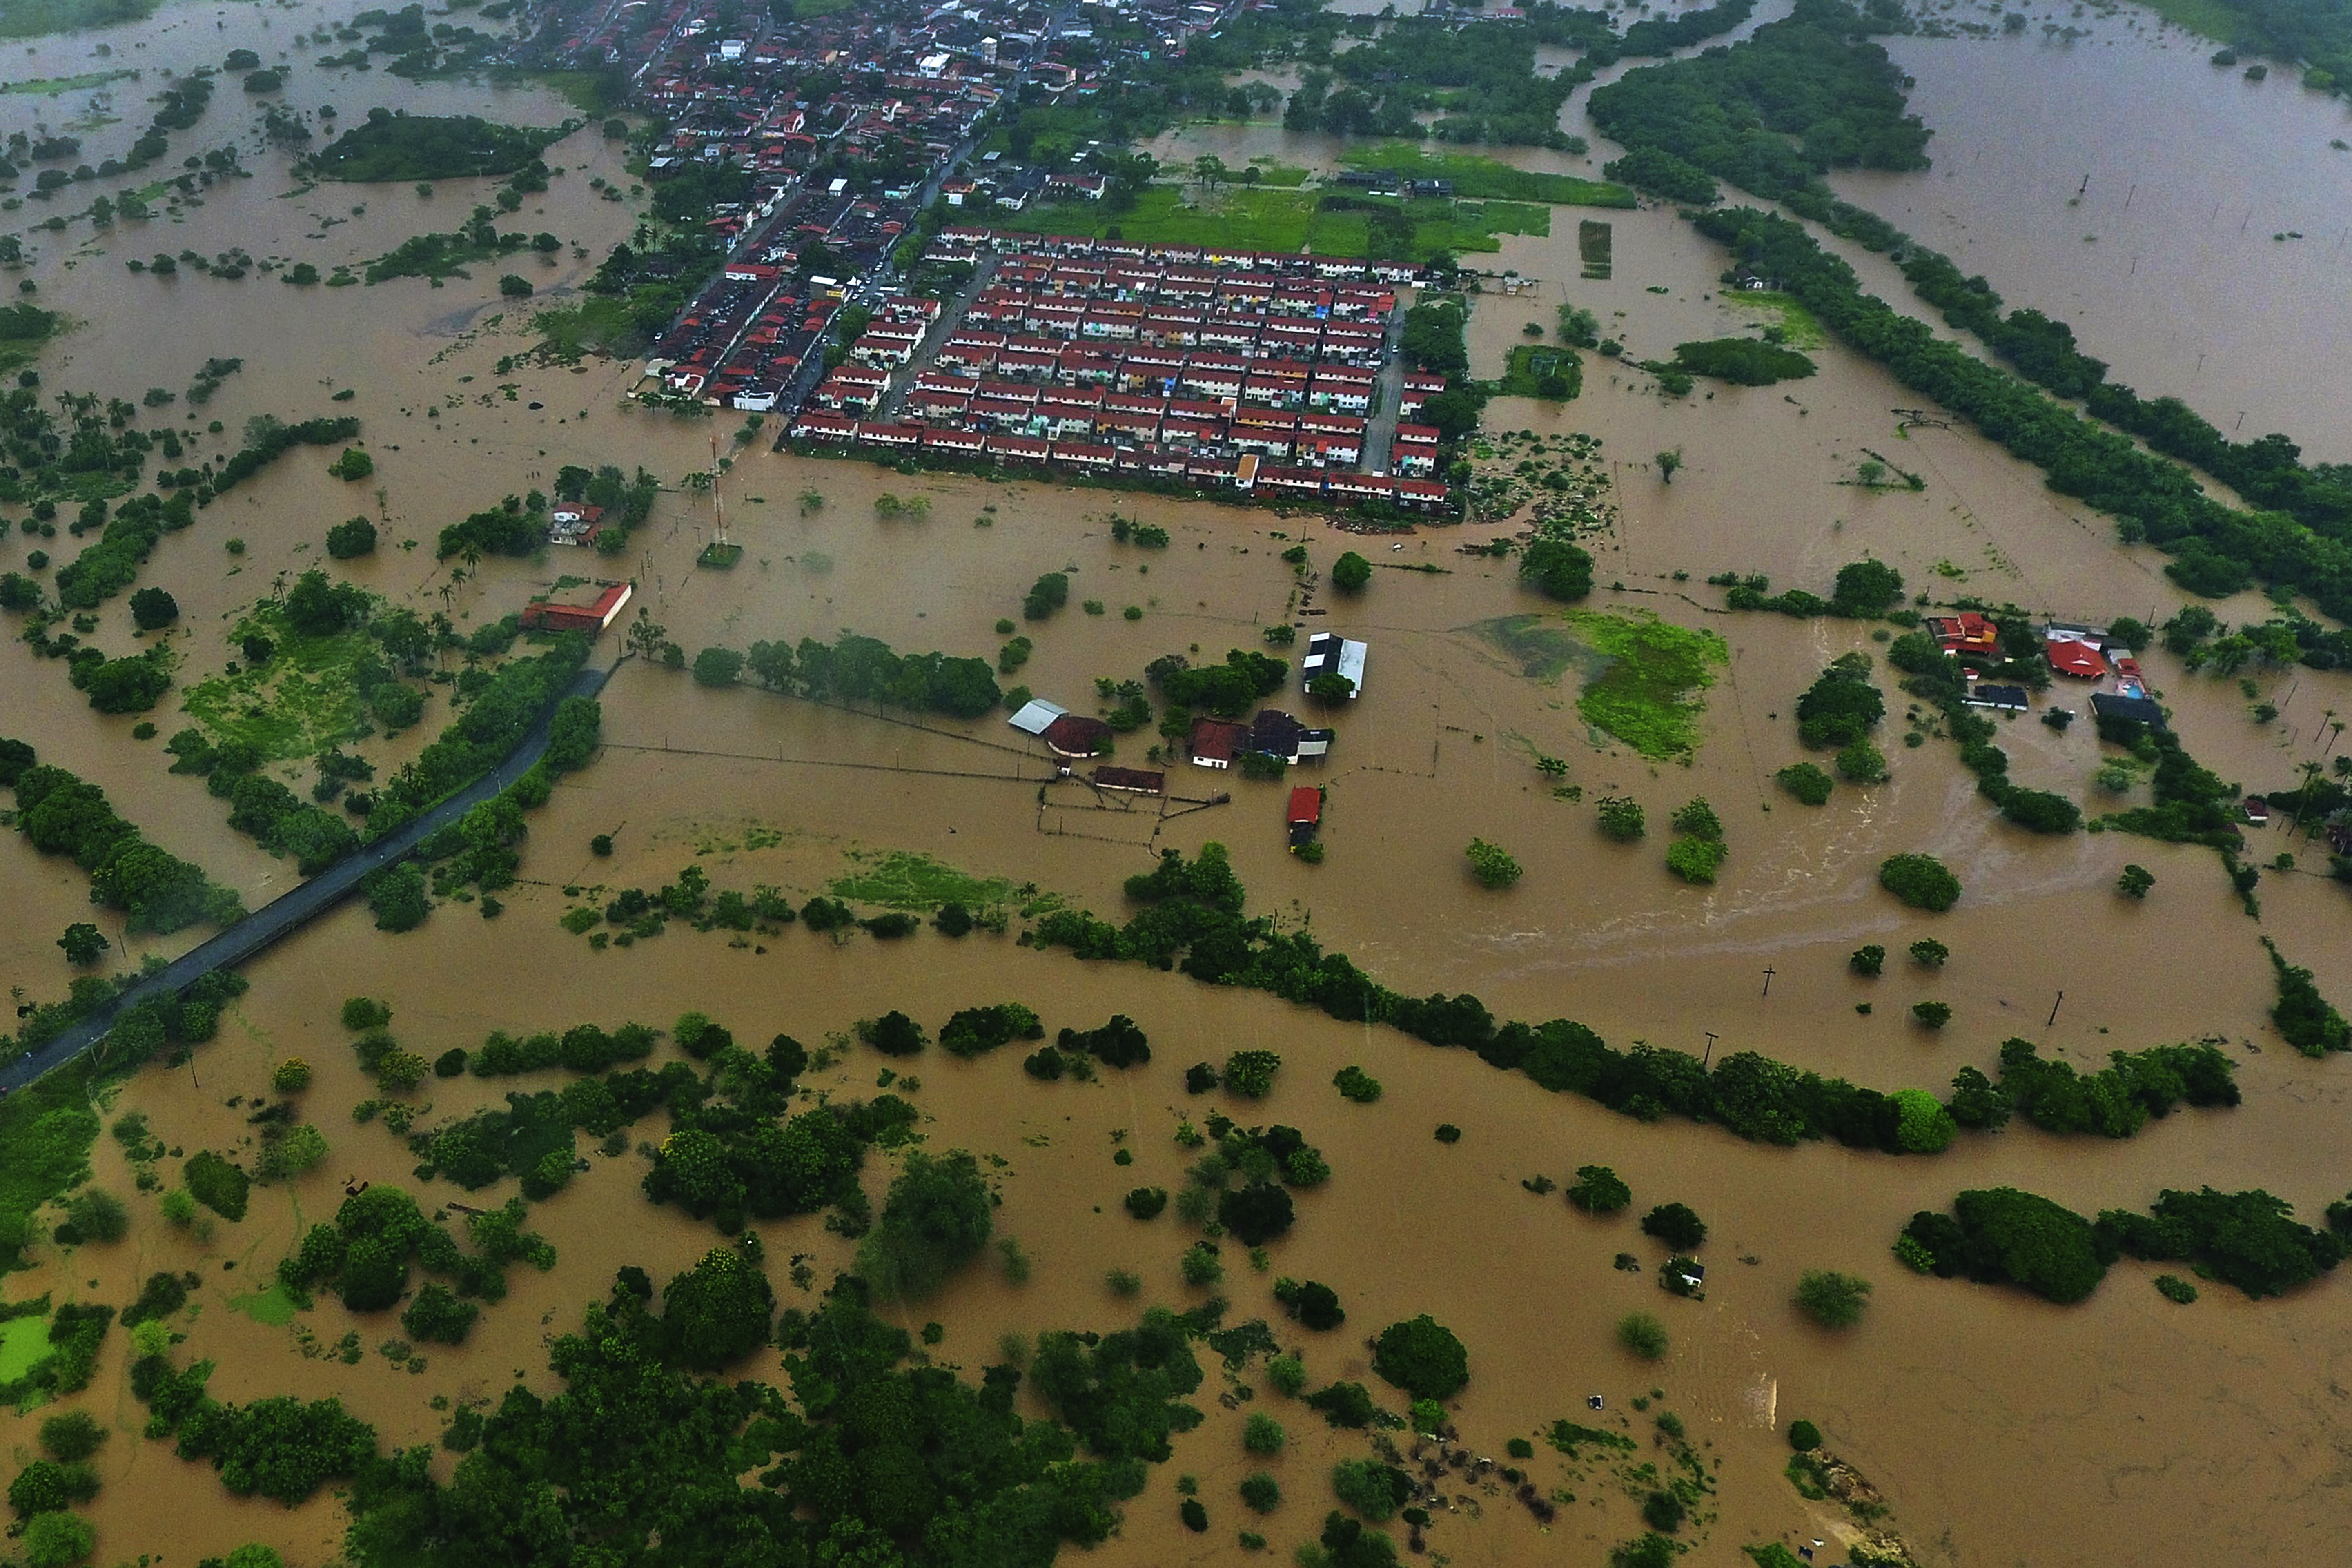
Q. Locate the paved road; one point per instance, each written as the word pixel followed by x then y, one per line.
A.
pixel 288 912
pixel 1379 433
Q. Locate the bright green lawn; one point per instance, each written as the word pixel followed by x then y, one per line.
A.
pixel 1474 176
pixel 898 880
pixel 1644 678
pixel 1262 218
pixel 299 704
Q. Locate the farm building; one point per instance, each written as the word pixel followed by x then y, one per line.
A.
pixel 546 616
pixel 1326 653
pixel 1306 813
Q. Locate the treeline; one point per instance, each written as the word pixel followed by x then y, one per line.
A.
pixel 364 1256
pixel 1191 920
pixel 2002 1235
pixel 95 446
pixel 1482 80
pixel 853 668
pixel 267 440
pixel 2267 471
pixel 517 525
pixel 2155 500
pixel 1730 114
pixel 638 1446
pixel 59 814
pixel 1772 115
pixel 393 145
pixel 104 569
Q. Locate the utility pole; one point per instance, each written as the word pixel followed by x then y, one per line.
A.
pixel 1769 972
pixel 1710 1049
pixel 2053 1009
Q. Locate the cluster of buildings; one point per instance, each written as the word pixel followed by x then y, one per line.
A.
pixel 1212 743
pixel 1268 373
pixel 1238 370
pixel 2078 652
pixel 744 341
pixel 847 124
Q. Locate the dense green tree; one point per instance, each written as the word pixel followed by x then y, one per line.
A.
pixel 1350 573
pixel 1676 1225
pixel 1920 881
pixel 151 608
pixel 1598 1190
pixel 1833 1301
pixel 352 539
pixel 717 666
pixel 936 1219
pixel 1422 1357
pixel 83 943
pixel 718 1311
pixel 1557 568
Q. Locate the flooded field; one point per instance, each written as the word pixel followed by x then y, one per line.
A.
pixel 2000 1428
pixel 2200 249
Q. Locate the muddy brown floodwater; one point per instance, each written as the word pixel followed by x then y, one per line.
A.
pixel 2002 1429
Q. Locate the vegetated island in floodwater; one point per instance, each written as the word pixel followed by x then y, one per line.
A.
pixel 35 18
pixel 393 146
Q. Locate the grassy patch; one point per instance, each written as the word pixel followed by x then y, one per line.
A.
pixel 1264 218
pixel 431 147
pixel 1281 175
pixel 592 324
pixel 1643 677
pixel 47 1128
pixel 24 1345
pixel 274 1306
pixel 898 880
pixel 584 90
pixel 52 85
pixel 2209 19
pixel 303 702
pixel 1477 178
pixel 1531 363
pixel 1798 326
pixel 32 18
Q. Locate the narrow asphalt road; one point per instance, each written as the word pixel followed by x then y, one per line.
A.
pixel 1379 433
pixel 288 912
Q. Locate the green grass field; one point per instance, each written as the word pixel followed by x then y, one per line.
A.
pixel 898 880
pixel 51 86
pixel 1800 330
pixel 1650 696
pixel 2211 18
pixel 1264 218
pixel 1643 679
pixel 274 1307
pixel 1531 362
pixel 46 1128
pixel 1477 178
pixel 299 704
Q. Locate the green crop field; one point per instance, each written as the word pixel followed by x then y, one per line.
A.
pixel 1477 177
